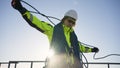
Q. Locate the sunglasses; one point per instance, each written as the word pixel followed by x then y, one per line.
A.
pixel 71 21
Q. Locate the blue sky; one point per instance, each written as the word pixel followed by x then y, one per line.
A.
pixel 98 25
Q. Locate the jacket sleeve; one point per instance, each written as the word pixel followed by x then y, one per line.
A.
pixel 33 21
pixel 84 49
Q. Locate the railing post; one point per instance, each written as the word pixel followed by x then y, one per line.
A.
pixel 9 64
pixel 31 64
pixel 108 65
pixel 15 65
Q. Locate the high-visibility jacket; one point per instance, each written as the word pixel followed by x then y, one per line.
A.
pixel 47 29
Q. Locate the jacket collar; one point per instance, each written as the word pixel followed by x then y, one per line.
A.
pixel 67 29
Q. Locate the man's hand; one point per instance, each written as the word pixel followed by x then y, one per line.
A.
pixel 16 4
pixel 95 49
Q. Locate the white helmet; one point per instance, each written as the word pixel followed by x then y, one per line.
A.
pixel 71 13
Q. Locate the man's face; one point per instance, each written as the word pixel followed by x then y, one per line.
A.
pixel 69 22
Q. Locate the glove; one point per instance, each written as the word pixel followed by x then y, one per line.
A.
pixel 95 49
pixel 16 4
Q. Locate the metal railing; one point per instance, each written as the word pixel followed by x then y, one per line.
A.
pixel 31 63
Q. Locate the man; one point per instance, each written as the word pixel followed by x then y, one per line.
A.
pixel 62 38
